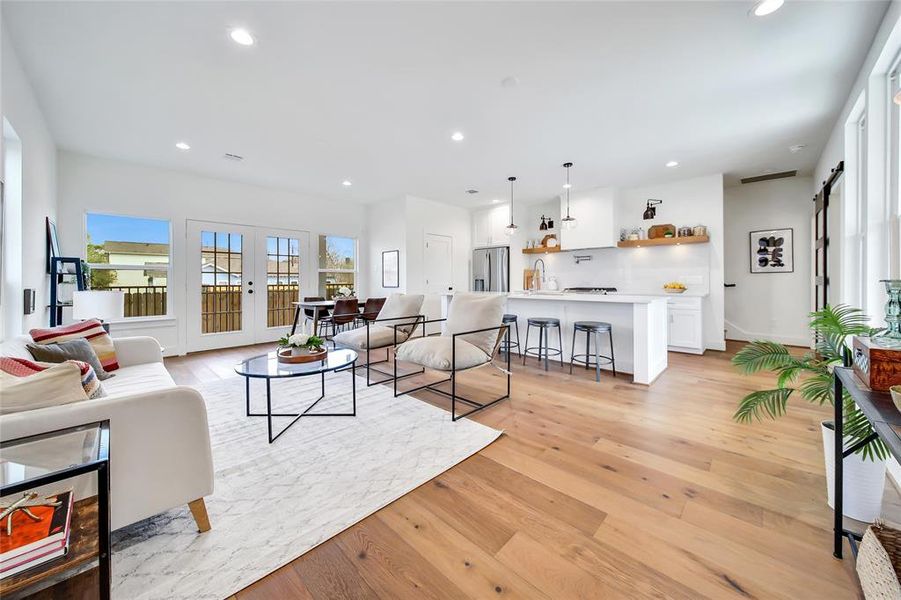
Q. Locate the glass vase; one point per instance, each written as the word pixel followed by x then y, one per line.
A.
pixel 891 337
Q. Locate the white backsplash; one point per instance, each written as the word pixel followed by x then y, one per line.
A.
pixel 637 270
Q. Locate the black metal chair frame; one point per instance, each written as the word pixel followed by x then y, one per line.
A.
pixel 503 334
pixel 417 320
pixel 548 351
pixel 598 357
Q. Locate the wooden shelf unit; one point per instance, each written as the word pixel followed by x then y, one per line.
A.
pixel 541 250
pixel 673 241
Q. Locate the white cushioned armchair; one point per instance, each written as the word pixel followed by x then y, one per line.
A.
pixel 395 323
pixel 473 331
pixel 160 455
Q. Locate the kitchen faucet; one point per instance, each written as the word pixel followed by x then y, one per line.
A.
pixel 536 283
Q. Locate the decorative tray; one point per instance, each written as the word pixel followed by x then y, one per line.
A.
pixel 287 355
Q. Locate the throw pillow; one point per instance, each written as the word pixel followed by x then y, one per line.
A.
pixel 79 349
pixel 22 367
pixel 58 384
pixel 91 330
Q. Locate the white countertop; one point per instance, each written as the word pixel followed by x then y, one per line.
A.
pixel 616 298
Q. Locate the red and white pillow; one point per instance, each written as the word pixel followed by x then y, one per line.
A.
pixel 92 330
pixel 24 368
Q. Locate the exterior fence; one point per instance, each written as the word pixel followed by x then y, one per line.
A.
pixel 220 305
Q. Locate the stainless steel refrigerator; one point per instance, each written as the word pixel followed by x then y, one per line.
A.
pixel 491 269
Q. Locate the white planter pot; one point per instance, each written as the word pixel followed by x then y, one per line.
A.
pixel 864 481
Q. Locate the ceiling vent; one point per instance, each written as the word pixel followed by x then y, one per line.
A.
pixel 769 176
pixel 472 191
pixel 234 157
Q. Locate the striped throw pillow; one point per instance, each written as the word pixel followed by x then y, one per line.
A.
pixel 22 367
pixel 91 330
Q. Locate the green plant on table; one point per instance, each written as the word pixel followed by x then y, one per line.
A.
pixel 810 375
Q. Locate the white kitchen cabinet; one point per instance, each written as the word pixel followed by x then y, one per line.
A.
pixel 488 226
pixel 594 214
pixel 686 325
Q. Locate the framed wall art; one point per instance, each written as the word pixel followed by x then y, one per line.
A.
pixel 772 251
pixel 391 269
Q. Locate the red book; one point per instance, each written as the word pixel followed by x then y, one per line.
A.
pixel 34 542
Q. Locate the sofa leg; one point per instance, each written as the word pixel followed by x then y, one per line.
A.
pixel 198 511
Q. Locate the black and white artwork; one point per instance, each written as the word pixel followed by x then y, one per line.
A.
pixel 772 251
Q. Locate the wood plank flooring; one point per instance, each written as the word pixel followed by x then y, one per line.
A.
pixel 607 490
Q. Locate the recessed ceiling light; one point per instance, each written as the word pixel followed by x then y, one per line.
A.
pixel 347 183
pixel 457 136
pixel 496 201
pixel 241 36
pixel 672 163
pixel 766 7
pixel 182 146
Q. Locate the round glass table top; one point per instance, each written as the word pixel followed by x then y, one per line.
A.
pixel 268 365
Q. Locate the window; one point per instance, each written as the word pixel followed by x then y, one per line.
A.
pixel 895 169
pixel 282 280
pixel 337 264
pixel 221 274
pixel 133 255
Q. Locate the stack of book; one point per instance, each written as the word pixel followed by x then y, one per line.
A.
pixel 28 540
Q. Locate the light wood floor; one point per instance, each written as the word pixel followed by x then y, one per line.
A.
pixel 595 491
pixel 607 490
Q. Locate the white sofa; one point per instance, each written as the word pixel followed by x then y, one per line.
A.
pixel 160 455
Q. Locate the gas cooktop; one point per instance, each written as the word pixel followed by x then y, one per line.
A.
pixel 590 290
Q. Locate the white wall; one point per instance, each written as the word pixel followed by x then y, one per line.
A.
pixel 386 230
pixel 89 184
pixel 772 306
pixel 38 188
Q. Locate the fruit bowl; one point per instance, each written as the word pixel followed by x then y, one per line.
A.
pixel 674 290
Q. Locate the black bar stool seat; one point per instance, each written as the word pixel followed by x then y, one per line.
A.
pixel 507 344
pixel 543 349
pixel 595 359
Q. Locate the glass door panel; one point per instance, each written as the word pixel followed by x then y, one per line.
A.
pixel 281 265
pixel 220 285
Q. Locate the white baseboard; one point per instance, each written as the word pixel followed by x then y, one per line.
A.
pixel 737 333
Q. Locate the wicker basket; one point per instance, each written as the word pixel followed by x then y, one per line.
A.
pixel 879 563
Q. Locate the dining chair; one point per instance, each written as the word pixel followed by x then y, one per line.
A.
pixel 371 309
pixel 345 313
pixel 324 316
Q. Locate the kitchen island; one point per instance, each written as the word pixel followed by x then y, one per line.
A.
pixel 639 326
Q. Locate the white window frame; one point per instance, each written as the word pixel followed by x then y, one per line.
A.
pixel 354 271
pixel 894 169
pixel 168 267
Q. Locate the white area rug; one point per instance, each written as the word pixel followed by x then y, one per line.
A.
pixel 274 502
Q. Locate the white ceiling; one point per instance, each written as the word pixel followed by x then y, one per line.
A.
pixel 372 91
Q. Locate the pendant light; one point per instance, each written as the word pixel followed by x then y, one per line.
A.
pixel 568 221
pixel 512 227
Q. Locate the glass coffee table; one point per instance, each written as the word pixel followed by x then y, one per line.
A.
pixel 268 367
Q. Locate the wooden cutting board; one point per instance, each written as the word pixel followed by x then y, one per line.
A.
pixel 527 276
pixel 659 231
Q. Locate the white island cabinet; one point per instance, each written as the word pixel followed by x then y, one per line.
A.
pixel 639 326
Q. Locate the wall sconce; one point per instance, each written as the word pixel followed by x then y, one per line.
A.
pixel 651 211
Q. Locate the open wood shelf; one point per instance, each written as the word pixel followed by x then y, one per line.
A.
pixel 673 241
pixel 541 250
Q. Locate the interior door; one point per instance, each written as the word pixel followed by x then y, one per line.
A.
pixel 220 285
pixel 280 276
pixel 437 263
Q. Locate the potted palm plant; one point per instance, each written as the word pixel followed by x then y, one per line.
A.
pixel 810 376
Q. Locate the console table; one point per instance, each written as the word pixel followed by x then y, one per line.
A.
pixel 886 420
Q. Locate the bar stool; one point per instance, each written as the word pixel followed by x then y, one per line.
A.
pixel 596 328
pixel 543 349
pixel 512 322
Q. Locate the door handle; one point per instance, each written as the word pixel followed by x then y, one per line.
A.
pixel 249 291
pixel 249 283
pixel 729 285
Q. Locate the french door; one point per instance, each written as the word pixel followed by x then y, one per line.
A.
pixel 241 283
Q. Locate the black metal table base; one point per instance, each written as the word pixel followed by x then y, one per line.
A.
pixel 306 412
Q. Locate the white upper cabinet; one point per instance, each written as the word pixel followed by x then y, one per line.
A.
pixel 594 214
pixel 488 226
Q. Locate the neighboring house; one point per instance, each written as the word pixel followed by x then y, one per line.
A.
pixel 138 253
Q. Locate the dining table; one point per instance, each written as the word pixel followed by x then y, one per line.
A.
pixel 316 306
